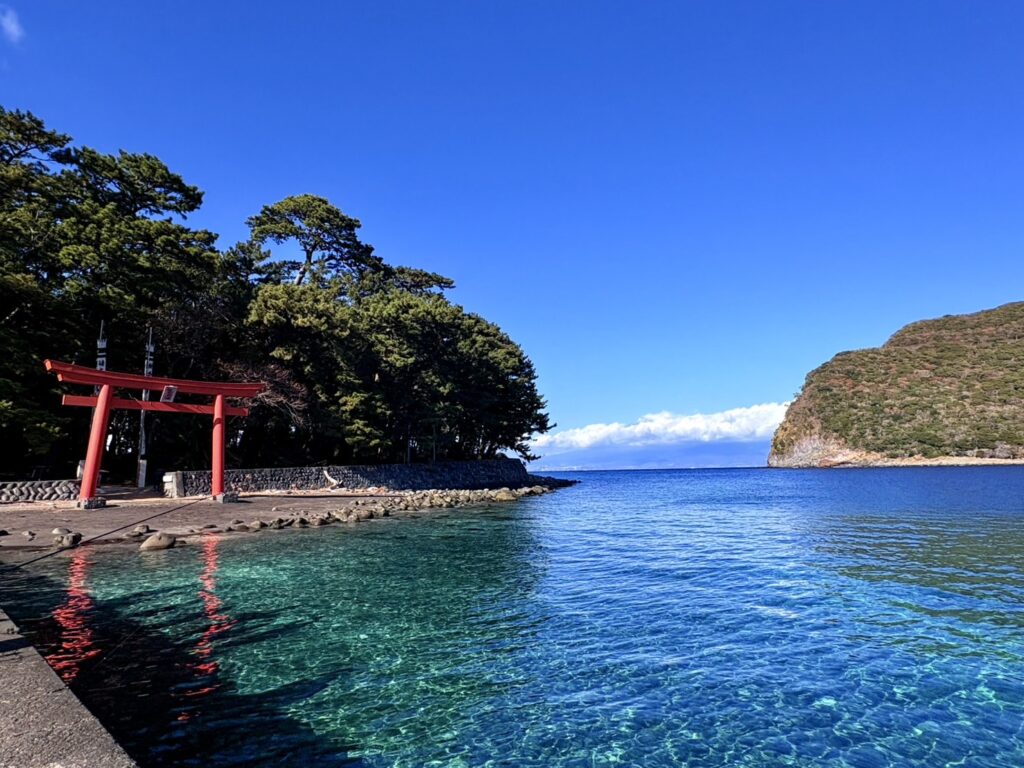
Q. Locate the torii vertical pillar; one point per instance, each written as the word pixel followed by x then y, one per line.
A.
pixel 217 475
pixel 97 438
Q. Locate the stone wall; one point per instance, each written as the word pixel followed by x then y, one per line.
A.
pixel 38 490
pixel 467 475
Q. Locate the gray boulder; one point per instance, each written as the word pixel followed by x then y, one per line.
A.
pixel 158 541
pixel 68 540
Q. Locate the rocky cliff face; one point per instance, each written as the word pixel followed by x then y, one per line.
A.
pixel 949 390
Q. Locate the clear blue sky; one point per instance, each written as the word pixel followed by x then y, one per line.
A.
pixel 677 206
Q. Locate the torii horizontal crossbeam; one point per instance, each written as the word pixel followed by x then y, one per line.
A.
pixel 152 405
pixel 79 374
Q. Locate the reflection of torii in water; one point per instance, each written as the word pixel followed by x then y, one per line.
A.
pixel 76 637
pixel 77 642
pixel 206 667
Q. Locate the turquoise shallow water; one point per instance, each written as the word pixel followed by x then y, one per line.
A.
pixel 853 618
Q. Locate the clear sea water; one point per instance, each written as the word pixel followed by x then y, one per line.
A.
pixel 843 618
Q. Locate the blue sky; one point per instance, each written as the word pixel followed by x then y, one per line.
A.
pixel 676 208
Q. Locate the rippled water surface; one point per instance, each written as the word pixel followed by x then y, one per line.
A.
pixel 706 618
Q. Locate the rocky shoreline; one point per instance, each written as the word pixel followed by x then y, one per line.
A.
pixel 202 517
pixel 912 461
pixel 359 511
pixel 820 453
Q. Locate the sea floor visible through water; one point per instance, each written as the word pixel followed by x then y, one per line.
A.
pixel 842 618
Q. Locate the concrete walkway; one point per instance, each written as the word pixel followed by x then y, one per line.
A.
pixel 42 723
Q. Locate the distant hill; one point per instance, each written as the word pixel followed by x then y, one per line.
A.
pixel 949 390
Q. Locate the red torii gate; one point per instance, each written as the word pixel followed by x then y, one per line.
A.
pixel 107 381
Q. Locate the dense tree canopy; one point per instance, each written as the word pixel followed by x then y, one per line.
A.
pixel 365 361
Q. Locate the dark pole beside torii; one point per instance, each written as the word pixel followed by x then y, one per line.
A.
pixel 104 401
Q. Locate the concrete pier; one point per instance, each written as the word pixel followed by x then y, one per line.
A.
pixel 42 723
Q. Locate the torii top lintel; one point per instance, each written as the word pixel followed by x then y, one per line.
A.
pixel 80 374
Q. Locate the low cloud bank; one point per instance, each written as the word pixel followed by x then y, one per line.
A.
pixel 753 423
pixel 737 437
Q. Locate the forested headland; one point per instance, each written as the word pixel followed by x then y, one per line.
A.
pixel 948 390
pixel 362 358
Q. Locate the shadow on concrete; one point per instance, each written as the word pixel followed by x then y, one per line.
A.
pixel 15 644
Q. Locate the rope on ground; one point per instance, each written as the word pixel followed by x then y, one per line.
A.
pixel 57 551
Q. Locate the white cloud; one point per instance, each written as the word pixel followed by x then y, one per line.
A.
pixel 10 25
pixel 756 422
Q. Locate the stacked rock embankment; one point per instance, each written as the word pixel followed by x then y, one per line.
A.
pixel 38 490
pixel 464 475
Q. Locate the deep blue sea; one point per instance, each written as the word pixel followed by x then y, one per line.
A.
pixel 841 618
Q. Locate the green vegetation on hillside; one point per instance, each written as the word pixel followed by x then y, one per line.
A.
pixel 953 386
pixel 362 357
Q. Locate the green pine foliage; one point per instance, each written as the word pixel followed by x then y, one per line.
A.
pixel 953 386
pixel 361 357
